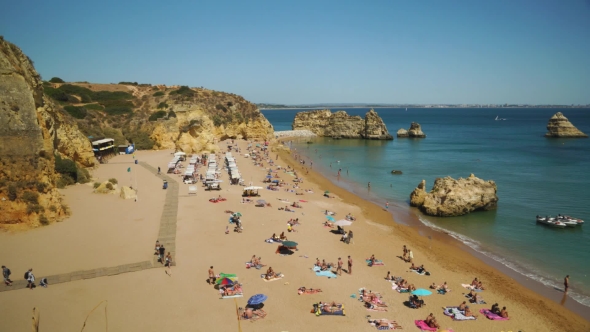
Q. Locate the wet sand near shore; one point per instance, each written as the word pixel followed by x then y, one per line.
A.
pixel 150 300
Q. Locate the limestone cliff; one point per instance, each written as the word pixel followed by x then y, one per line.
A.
pixel 450 197
pixel 560 126
pixel 415 131
pixel 31 131
pixel 340 124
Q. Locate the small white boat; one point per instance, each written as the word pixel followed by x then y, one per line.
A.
pixel 499 119
pixel 569 221
pixel 551 222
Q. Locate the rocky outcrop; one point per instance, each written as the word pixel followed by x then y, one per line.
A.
pixel 32 130
pixel 128 193
pixel 415 131
pixel 560 126
pixel 450 197
pixel 341 125
pixel 193 130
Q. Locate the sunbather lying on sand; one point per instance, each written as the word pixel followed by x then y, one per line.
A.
pixel 252 314
pixel 383 323
pixel 350 217
pixel 328 224
pixel 468 312
pixel 293 222
pixel 375 306
pixel 303 290
pixel 235 290
pixel 329 213
pixel 330 307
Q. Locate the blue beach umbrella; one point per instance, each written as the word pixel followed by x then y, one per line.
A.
pixel 257 299
pixel 330 218
pixel 421 292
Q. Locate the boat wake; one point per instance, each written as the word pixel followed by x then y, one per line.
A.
pixel 520 268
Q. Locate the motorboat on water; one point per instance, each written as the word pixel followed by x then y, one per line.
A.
pixel 570 221
pixel 550 222
pixel 560 221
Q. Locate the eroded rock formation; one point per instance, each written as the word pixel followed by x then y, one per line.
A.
pixel 340 124
pixel 415 131
pixel 32 130
pixel 450 197
pixel 560 126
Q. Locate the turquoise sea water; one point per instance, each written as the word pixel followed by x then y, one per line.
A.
pixel 535 175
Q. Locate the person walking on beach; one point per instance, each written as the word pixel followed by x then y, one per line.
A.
pixel 339 269
pixel 211 276
pixel 30 279
pixel 387 205
pixel 169 264
pixel 349 265
pixel 566 283
pixel 6 274
pixel 162 253
pixel 158 170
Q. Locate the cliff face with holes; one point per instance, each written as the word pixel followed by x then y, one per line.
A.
pixel 340 124
pixel 32 130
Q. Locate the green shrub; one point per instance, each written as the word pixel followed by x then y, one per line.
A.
pixel 115 134
pixel 77 112
pixel 141 140
pixel 85 98
pixel 64 181
pixel 171 114
pixel 185 90
pixel 95 107
pixel 41 186
pixel 118 110
pixel 217 120
pixel 173 92
pixel 66 166
pixel 128 83
pixel 30 197
pixel 159 93
pixel 12 192
pixel 43 220
pixel 34 208
pixel 113 181
pixel 56 80
pixel 82 175
pixel 162 105
pixel 157 115
pixel 52 208
pixel 55 93
pixel 96 185
pixel 109 186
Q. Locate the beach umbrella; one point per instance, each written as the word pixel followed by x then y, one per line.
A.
pixel 257 299
pixel 330 218
pixel 421 292
pixel 343 222
pixel 224 282
pixel 326 192
pixel 289 244
pixel 261 201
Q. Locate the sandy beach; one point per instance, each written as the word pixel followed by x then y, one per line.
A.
pixel 105 231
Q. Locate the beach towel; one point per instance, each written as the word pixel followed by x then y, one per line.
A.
pixel 250 265
pixel 389 326
pixel 423 326
pixel 320 273
pixel 263 276
pixel 491 315
pixel 422 274
pixel 273 241
pixel 319 312
pixel 457 314
pixel 377 262
pixel 232 296
pixel 468 286
pixel 303 201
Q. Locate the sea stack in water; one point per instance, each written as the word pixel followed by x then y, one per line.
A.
pixel 341 125
pixel 450 197
pixel 560 126
pixel 415 131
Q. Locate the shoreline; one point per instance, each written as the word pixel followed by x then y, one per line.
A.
pixel 500 278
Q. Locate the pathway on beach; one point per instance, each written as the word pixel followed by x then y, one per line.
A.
pixel 166 236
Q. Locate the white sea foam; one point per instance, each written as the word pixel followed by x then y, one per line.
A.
pixel 520 268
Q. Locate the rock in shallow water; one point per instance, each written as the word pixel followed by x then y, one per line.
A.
pixel 450 197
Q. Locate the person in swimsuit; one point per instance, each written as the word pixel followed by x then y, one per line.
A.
pixel 504 313
pixel 211 276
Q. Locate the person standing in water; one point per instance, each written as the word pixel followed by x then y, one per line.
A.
pixel 369 185
pixel 566 283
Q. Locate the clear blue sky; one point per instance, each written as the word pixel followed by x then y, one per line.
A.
pixel 292 52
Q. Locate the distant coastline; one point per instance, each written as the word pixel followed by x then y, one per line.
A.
pixel 328 106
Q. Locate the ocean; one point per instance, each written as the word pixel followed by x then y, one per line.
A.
pixel 535 176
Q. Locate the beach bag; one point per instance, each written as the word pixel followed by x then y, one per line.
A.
pixel 27 275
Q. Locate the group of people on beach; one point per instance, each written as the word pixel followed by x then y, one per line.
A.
pixel 165 259
pixel 28 276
